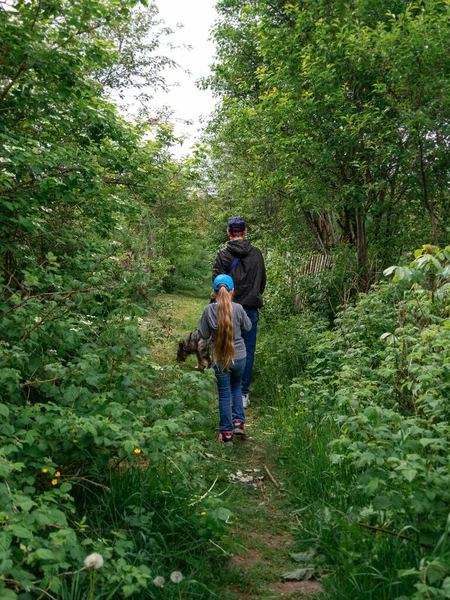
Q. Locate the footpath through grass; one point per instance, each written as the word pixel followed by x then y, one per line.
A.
pixel 258 548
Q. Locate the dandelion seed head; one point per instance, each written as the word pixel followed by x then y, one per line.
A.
pixel 176 577
pixel 159 581
pixel 94 561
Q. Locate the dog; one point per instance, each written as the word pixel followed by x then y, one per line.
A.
pixel 194 344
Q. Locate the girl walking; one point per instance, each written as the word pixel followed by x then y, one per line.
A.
pixel 224 320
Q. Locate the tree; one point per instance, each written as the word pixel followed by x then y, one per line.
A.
pixel 341 122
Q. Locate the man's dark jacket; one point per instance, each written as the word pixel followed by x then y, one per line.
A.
pixel 249 274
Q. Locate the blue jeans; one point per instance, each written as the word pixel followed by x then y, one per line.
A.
pixel 229 386
pixel 250 345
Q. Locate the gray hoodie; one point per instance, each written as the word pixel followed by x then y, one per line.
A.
pixel 207 327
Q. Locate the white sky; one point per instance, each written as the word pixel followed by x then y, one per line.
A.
pixel 188 102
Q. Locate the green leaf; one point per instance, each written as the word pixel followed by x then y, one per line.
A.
pixel 20 532
pixel 409 474
pixel 300 574
pixel 7 594
pixel 381 502
pixel 45 554
pixel 224 514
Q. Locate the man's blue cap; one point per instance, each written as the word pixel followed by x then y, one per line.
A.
pixel 223 280
pixel 236 224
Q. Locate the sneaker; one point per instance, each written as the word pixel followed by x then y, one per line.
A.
pixel 239 428
pixel 245 400
pixel 226 437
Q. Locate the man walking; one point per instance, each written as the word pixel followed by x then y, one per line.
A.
pixel 245 264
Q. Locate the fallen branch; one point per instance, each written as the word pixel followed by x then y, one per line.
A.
pixel 272 478
pixel 395 533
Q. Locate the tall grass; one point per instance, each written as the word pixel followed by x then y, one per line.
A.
pixel 161 530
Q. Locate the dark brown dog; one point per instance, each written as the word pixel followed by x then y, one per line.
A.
pixel 194 344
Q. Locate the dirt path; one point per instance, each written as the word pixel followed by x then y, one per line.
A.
pixel 251 482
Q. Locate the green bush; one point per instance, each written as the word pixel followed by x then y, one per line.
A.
pixel 91 459
pixel 365 431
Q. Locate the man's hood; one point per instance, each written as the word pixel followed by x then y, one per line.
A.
pixel 239 247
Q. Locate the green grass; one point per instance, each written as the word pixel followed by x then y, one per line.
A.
pixel 154 509
pixel 178 313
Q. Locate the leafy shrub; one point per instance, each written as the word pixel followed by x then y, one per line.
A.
pixel 371 409
pixel 79 423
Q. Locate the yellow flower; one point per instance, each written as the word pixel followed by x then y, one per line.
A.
pixel 306 408
pixel 54 482
pixel 75 441
pixel 57 474
pixel 137 450
pixel 45 470
pixel 73 431
pixel 203 513
pixel 296 414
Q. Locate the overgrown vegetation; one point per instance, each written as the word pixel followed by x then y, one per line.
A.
pixel 93 459
pixel 331 138
pixel 364 431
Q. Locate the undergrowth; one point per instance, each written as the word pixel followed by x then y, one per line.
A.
pixel 100 452
pixel 363 429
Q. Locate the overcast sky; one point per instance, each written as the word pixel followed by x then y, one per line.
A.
pixel 188 102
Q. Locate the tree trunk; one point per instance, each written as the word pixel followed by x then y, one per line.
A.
pixel 361 240
pixel 428 200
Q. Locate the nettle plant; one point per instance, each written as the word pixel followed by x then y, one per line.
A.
pixel 395 436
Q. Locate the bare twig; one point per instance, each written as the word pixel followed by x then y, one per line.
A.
pixel 396 534
pixel 211 457
pixel 89 481
pixel 45 593
pixel 205 494
pixel 38 382
pixel 271 477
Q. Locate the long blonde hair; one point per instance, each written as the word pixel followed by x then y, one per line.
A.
pixel 224 345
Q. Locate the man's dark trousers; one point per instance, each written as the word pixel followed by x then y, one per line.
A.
pixel 250 345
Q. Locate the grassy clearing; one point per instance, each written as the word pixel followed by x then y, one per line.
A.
pixel 172 317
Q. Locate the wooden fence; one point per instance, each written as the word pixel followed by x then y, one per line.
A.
pixel 317 263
